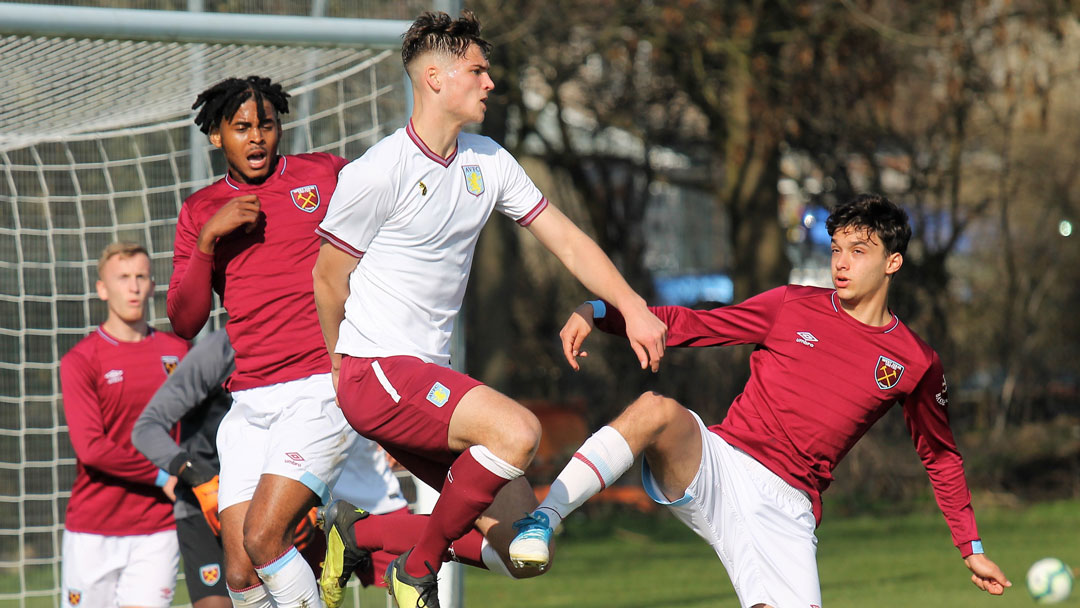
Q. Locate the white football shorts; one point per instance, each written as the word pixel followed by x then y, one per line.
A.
pixel 109 571
pixel 367 481
pixel 760 526
pixel 293 429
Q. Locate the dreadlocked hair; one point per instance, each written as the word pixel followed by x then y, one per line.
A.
pixel 437 32
pixel 221 101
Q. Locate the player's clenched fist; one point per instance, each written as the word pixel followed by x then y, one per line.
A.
pixel 240 211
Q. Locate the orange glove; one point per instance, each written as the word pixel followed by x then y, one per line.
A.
pixel 206 494
pixel 305 531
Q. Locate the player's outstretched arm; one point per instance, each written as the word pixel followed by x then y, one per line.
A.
pixel 331 276
pixel 590 265
pixel 986 575
pixel 573 334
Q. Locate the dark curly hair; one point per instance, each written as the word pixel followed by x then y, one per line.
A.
pixel 221 101
pixel 436 31
pixel 877 214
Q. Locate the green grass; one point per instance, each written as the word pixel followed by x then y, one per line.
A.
pixel 636 561
pixel 904 561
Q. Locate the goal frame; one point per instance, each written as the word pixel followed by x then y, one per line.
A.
pixel 53 21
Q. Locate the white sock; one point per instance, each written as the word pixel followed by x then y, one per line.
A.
pixel 491 559
pixel 599 461
pixel 290 581
pixel 252 597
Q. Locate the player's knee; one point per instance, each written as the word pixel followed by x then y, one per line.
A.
pixel 240 578
pixel 263 543
pixel 519 439
pixel 652 412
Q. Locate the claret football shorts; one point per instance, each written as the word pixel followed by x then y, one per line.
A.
pixel 293 429
pixel 760 526
pixel 405 404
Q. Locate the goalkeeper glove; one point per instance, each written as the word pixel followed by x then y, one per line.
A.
pixel 305 530
pixel 206 494
pixel 204 483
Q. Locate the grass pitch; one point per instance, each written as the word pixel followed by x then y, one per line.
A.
pixel 634 561
pixel 628 560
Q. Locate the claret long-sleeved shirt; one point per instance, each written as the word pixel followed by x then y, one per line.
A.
pixel 106 384
pixel 263 275
pixel 819 379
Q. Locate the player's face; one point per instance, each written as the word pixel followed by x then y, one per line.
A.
pixel 125 285
pixel 467 84
pixel 860 265
pixel 250 145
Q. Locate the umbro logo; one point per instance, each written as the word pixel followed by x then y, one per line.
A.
pixel 113 376
pixel 806 338
pixel 294 458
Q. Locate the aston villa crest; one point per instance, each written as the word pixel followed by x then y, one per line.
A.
pixel 169 363
pixel 887 373
pixel 74 597
pixel 306 198
pixel 474 179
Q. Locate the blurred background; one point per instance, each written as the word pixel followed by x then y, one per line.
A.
pixel 702 144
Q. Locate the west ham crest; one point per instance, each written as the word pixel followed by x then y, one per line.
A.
pixel 887 373
pixel 210 574
pixel 305 198
pixel 169 363
pixel 474 179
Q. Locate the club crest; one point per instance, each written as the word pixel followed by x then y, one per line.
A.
pixel 74 597
pixel 887 372
pixel 169 363
pixel 474 179
pixel 305 198
pixel 438 395
pixel 210 574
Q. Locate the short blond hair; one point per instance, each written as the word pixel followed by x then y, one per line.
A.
pixel 124 249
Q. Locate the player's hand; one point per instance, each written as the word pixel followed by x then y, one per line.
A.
pixel 986 575
pixel 240 211
pixel 170 488
pixel 206 493
pixel 195 472
pixel 647 335
pixel 573 334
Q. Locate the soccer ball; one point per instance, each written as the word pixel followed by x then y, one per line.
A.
pixel 1049 580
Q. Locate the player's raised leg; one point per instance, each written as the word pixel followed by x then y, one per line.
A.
pixel 656 425
pixel 496 439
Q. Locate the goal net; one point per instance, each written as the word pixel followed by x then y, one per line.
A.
pixel 96 145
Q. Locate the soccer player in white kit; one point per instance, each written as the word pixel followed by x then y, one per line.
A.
pixel 389 281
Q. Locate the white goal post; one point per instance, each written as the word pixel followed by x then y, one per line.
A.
pixel 97 144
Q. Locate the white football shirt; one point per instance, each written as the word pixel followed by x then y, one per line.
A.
pixel 413 219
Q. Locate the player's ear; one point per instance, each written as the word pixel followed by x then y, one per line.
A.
pixel 433 77
pixel 893 263
pixel 102 293
pixel 215 136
